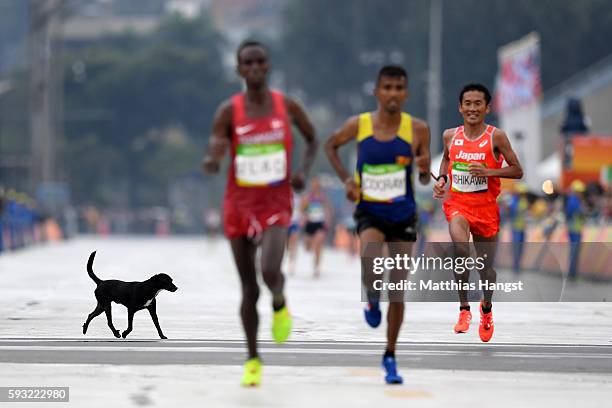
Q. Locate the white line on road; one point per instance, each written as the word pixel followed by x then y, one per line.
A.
pixel 305 351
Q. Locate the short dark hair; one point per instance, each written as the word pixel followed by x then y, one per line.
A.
pixel 394 71
pixel 476 87
pixel 249 43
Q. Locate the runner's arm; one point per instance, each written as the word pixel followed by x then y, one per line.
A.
pixel 301 120
pixel 346 133
pixel 423 155
pixel 440 185
pixel 220 138
pixel 502 145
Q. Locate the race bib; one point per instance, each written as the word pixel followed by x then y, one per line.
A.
pixel 464 182
pixel 315 213
pixel 383 182
pixel 259 165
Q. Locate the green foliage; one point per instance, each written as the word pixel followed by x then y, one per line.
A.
pixel 324 43
pixel 331 50
pixel 122 88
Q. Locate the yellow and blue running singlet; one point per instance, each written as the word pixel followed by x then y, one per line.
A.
pixel 384 171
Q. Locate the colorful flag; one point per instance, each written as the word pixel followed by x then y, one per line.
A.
pixel 518 78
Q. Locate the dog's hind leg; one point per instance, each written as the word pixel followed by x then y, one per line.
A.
pixel 153 312
pixel 97 311
pixel 109 319
pixel 130 319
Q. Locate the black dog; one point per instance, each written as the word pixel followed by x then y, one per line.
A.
pixel 133 295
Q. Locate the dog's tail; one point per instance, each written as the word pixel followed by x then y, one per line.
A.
pixel 90 271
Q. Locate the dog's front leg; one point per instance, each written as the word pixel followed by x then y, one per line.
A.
pixel 130 319
pixel 109 319
pixel 99 309
pixel 153 312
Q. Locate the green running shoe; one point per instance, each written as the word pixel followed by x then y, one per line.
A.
pixel 281 325
pixel 251 377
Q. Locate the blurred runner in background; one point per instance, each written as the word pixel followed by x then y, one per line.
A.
pixel 294 233
pixel 317 213
pixel 574 218
pixel 517 212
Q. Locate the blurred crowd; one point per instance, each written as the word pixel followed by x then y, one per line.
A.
pixel 21 225
pixel 580 214
pixel 537 217
pixel 526 216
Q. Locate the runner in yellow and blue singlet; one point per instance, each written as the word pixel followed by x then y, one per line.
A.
pixel 389 143
pixel 384 174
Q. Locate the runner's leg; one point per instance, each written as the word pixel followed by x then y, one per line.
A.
pixel 317 243
pixel 459 229
pixel 272 250
pixel 395 314
pixel 371 241
pixel 486 248
pixel 292 249
pixel 244 257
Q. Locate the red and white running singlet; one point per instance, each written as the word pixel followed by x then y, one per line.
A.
pixel 474 197
pixel 258 193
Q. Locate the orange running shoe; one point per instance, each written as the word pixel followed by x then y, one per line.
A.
pixel 463 324
pixel 485 330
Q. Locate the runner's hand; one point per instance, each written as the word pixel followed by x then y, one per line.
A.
pixel 352 190
pixel 477 169
pixel 422 163
pixel 439 188
pixel 297 182
pixel 209 165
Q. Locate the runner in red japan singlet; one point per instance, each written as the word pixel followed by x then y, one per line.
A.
pixel 469 184
pixel 474 197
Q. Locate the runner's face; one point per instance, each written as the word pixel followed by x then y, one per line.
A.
pixel 253 65
pixel 391 93
pixel 474 107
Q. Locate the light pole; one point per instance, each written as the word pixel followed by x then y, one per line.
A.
pixel 434 90
pixel 43 20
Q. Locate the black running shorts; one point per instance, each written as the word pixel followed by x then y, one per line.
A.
pixel 393 230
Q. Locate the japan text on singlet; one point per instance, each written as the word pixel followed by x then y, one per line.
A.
pixel 465 188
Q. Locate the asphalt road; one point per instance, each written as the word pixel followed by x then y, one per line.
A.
pixel 505 357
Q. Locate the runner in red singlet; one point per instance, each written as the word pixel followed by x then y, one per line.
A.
pixel 471 167
pixel 256 126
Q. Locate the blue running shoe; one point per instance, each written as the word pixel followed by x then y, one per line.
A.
pixel 392 377
pixel 372 314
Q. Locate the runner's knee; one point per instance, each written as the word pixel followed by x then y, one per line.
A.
pixel 272 277
pixel 250 294
pixel 459 229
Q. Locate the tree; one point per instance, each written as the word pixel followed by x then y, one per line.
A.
pixel 330 49
pixel 123 92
